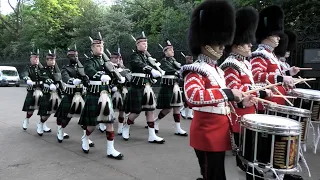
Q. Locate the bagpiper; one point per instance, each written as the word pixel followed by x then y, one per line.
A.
pixel 186 112
pixel 212 27
pixel 52 90
pixel 238 74
pixel 72 102
pixel 98 106
pixel 170 96
pixel 265 65
pixel 120 91
pixel 144 70
pixel 34 83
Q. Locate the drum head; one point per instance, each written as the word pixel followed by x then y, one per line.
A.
pixel 289 110
pixel 310 94
pixel 271 124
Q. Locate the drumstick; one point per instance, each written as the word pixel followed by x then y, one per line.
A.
pixel 262 88
pixel 305 68
pixel 281 94
pixel 290 97
pixel 304 82
pixel 263 100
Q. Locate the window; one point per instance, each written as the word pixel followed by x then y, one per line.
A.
pixel 9 73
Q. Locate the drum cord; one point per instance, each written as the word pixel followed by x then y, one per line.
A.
pixel 304 161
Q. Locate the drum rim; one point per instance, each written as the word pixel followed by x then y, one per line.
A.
pixel 293 110
pixel 271 128
pixel 302 95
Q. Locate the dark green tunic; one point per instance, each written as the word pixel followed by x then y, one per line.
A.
pixel 90 112
pixel 139 64
pixel 68 73
pixel 50 75
pixel 32 73
pixel 119 105
pixel 171 67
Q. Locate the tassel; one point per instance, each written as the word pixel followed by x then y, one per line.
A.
pixel 56 105
pixel 79 109
pixel 50 104
pixel 106 110
pixel 73 108
pixel 151 99
pixel 99 108
pixel 179 100
pixel 145 98
pixel 173 99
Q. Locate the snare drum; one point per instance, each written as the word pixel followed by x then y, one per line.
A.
pixel 307 99
pixel 298 114
pixel 270 141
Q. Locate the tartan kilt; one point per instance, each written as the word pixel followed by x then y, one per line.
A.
pixel 64 107
pixel 164 97
pixel 133 101
pixel 44 105
pixel 90 112
pixel 29 101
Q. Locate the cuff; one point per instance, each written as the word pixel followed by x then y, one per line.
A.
pixel 229 94
pixel 147 69
pixel 279 79
pixel 288 73
pixel 263 94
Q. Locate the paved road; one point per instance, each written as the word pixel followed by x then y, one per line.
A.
pixel 26 156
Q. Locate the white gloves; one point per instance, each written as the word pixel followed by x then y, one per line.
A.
pixel 114 89
pixel 122 80
pixel 269 92
pixel 29 82
pixel 76 81
pixel 294 70
pixel 288 80
pixel 105 78
pixel 53 87
pixel 155 73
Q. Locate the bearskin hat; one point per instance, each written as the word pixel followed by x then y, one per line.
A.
pixel 292 44
pixel 281 49
pixel 212 23
pixel 246 25
pixel 271 22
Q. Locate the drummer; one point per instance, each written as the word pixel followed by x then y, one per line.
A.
pixel 265 65
pixel 282 51
pixel 238 73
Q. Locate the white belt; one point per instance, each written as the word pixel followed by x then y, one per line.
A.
pixel 169 77
pixel 215 110
pixel 34 83
pixel 73 86
pixel 98 83
pixel 139 75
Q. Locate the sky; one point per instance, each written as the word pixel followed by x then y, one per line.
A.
pixel 6 9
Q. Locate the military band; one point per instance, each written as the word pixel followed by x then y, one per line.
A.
pixel 214 96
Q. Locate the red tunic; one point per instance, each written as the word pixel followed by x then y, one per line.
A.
pixel 266 66
pixel 236 73
pixel 208 131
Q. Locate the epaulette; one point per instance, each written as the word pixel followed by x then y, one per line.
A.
pixel 231 62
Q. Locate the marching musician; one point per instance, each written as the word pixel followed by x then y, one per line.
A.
pixel 265 65
pixel 72 102
pixel 52 91
pixel 119 91
pixel 34 83
pixel 98 106
pixel 289 46
pixel 212 27
pixel 237 71
pixel 141 96
pixel 185 111
pixel 170 96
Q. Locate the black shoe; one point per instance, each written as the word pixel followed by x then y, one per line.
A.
pixel 119 157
